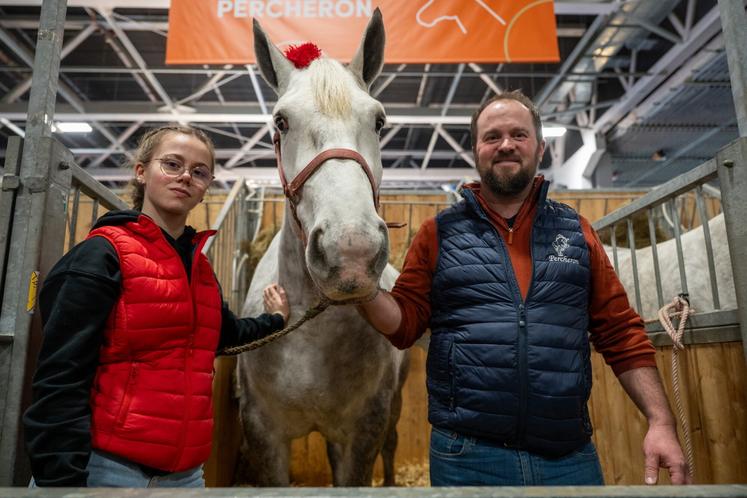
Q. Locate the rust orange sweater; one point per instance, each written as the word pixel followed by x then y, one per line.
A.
pixel 615 329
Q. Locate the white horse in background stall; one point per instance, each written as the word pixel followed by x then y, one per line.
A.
pixel 335 374
pixel 696 271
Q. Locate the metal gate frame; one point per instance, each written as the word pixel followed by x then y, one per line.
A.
pixel 37 180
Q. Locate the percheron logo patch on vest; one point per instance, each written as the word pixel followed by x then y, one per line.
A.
pixel 560 244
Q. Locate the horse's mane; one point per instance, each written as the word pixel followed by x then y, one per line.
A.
pixel 331 94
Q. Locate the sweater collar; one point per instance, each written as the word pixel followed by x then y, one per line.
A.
pixel 476 202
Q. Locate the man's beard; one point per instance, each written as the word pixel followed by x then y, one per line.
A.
pixel 505 185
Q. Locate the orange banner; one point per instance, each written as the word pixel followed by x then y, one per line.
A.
pixel 418 31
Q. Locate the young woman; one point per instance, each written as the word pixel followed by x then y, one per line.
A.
pixel 133 318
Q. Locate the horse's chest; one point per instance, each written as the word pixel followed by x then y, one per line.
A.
pixel 325 361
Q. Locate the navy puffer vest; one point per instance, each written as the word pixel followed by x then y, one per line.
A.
pixel 512 371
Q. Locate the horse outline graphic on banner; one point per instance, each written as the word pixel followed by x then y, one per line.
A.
pixel 455 18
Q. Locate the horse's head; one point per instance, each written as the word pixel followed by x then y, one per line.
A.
pixel 332 195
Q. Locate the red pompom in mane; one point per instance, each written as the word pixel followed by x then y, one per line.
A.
pixel 302 55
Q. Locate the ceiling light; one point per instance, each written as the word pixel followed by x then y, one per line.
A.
pixel 72 127
pixel 553 131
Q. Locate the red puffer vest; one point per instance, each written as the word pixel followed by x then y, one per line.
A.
pixel 152 393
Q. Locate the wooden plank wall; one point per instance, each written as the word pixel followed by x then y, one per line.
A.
pixel 200 218
pixel 714 378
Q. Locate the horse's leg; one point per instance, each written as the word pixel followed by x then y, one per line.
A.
pixel 390 443
pixel 355 461
pixel 265 452
pixel 355 458
pixel 334 455
pixel 390 446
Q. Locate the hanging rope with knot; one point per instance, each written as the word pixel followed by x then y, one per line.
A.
pixel 311 313
pixel 679 309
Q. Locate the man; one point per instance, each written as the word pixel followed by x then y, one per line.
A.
pixel 514 287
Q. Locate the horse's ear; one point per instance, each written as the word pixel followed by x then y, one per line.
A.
pixel 273 65
pixel 369 59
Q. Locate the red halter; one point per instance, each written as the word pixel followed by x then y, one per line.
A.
pixel 292 190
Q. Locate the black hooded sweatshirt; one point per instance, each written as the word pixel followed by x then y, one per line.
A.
pixel 75 302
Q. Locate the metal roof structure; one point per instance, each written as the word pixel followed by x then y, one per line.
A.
pixel 642 87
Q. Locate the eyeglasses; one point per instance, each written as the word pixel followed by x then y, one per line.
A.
pixel 201 174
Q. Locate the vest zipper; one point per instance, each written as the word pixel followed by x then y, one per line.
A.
pixel 521 337
pixel 523 374
pixel 511 236
pixel 452 375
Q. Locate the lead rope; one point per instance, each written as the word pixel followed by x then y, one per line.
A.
pixel 310 314
pixel 679 308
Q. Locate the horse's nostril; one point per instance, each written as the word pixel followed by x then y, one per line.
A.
pixel 316 250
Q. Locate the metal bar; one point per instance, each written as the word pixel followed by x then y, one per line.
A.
pixel 94 189
pixel 117 144
pixel 678 242
pixel 702 328
pixel 18 131
pixel 655 254
pixel 64 90
pixel 711 319
pixel 707 27
pixel 94 212
pixel 677 24
pixel 389 135
pixel 613 238
pixel 733 21
pixel 444 110
pixel 22 87
pixel 136 57
pixel 732 173
pixel 634 265
pixel 717 335
pixel 571 60
pixel 224 212
pixel 387 81
pixel 421 86
pixel 248 146
pixel 429 150
pixel 455 145
pixel 127 61
pixel 682 151
pixel 257 89
pixel 485 78
pixel 682 183
pixel 212 82
pixel 657 30
pixel 32 205
pixel 74 217
pixel 8 188
pixel 689 17
pixel 708 245
pixel 692 491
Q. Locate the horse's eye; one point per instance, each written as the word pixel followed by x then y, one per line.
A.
pixel 380 122
pixel 281 123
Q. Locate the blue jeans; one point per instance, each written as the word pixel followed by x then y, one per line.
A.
pixel 457 460
pixel 109 471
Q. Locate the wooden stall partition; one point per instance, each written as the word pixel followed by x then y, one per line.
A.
pixel 713 384
pixel 201 217
pixel 595 204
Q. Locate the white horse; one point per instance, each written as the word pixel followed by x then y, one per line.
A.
pixel 696 271
pixel 335 374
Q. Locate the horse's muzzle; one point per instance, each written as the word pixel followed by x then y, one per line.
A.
pixel 347 263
